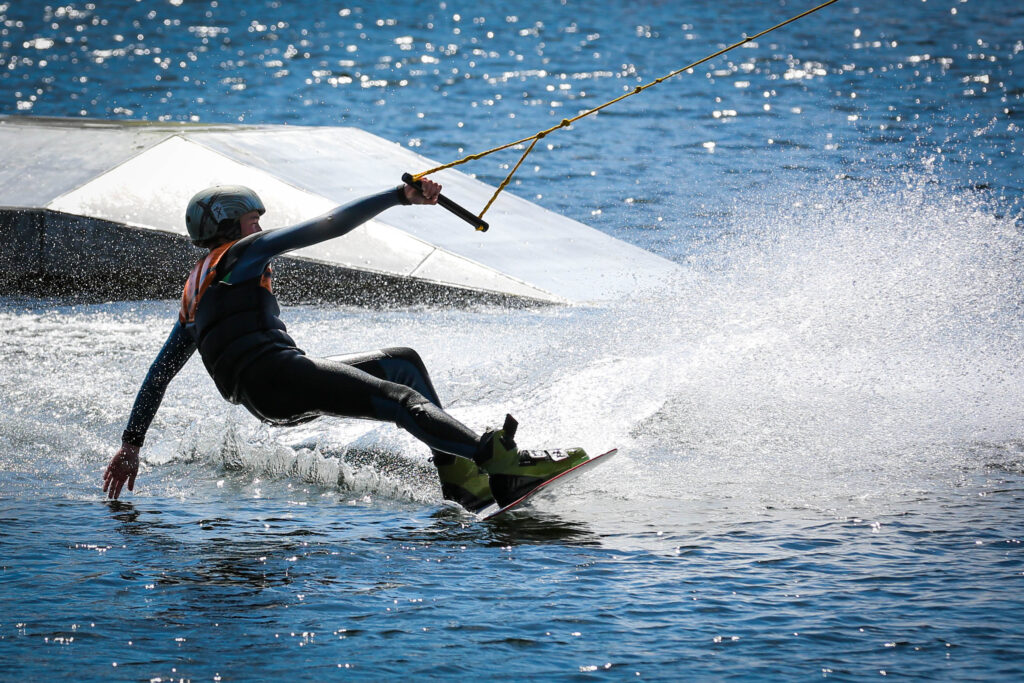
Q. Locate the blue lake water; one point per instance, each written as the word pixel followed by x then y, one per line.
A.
pixel 820 421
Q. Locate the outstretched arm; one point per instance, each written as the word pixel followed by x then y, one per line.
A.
pixel 334 223
pixel 124 466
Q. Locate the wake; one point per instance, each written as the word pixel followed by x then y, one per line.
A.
pixel 856 345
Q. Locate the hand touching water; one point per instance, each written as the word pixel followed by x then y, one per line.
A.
pixel 124 466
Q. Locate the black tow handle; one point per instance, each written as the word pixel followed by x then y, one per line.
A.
pixel 460 211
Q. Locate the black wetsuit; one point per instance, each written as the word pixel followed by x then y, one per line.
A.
pixel 254 362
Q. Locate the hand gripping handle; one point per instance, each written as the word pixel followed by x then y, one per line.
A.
pixel 463 213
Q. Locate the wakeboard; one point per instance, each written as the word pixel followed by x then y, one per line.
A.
pixel 493 510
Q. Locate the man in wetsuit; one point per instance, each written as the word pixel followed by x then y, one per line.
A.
pixel 229 314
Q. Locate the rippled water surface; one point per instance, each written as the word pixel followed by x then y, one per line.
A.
pixel 821 467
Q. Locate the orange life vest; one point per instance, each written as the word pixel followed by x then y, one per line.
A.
pixel 204 274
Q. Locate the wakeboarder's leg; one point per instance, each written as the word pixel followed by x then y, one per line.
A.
pixel 462 480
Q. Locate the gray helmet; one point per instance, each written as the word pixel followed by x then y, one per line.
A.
pixel 213 213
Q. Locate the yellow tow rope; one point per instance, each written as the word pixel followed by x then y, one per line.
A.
pixel 564 123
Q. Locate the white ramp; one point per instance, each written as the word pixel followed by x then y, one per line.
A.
pixel 142 176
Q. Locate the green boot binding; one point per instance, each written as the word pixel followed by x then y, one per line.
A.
pixel 513 473
pixel 463 481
